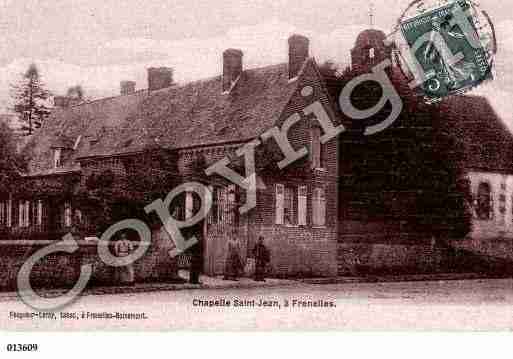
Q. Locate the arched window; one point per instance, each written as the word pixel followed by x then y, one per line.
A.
pixel 371 53
pixel 484 201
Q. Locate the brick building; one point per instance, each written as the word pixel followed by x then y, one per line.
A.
pixel 108 158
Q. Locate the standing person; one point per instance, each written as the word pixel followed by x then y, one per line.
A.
pixel 233 264
pixel 196 251
pixel 122 248
pixel 196 264
pixel 262 258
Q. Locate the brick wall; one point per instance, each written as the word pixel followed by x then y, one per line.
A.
pixel 301 250
pixel 297 250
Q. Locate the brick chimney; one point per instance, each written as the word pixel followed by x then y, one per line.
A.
pixel 61 101
pixel 127 87
pixel 232 67
pixel 159 78
pixel 298 53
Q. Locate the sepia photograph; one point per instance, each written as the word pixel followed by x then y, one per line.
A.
pixel 255 166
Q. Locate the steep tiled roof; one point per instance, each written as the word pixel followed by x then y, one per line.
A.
pixel 88 121
pixel 488 142
pixel 194 114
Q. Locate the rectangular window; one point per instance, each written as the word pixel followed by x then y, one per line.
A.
pixel 33 214
pixel 24 214
pixel 280 190
pixel 289 213
pixel 316 148
pixel 178 211
pixel 67 214
pixel 2 213
pixel 8 213
pixel 79 218
pixel 57 158
pixel 39 221
pixel 502 207
pixel 224 207
pixel 231 204
pixel 302 195
pixel 319 207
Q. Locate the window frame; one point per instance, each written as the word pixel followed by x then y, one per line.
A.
pixel 480 202
pixel 24 213
pixel 8 213
pixel 57 158
pixel 289 195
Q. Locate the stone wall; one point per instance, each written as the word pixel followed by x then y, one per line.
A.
pixel 61 270
pixel 382 259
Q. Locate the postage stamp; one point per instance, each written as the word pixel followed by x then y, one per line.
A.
pixel 451 46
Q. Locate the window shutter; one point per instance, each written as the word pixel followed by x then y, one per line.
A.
pixel 27 213
pixel 319 207
pixel 315 207
pixel 21 213
pixel 302 194
pixel 322 207
pixel 280 189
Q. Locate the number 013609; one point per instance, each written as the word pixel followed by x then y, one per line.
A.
pixel 22 347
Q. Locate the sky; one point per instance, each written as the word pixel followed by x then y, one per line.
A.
pixel 98 43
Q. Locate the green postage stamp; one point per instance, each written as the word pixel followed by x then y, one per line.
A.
pixel 449 51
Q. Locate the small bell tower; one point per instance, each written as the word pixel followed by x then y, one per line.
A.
pixel 370 48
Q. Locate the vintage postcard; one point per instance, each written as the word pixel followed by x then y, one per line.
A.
pixel 255 166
